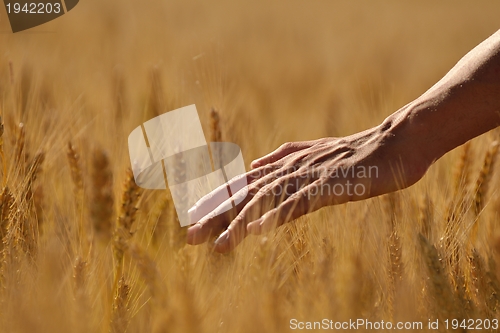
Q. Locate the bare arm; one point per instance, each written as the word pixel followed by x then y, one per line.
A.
pixel 301 177
pixel 462 105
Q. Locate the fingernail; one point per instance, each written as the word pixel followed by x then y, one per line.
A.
pixel 222 238
pixel 191 209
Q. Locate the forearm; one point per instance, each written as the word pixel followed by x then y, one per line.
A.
pixel 462 105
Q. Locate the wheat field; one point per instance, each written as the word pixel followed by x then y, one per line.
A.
pixel 85 250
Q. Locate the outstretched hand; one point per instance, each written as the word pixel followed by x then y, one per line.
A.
pixel 301 177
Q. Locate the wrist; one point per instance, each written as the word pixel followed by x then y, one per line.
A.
pixel 411 137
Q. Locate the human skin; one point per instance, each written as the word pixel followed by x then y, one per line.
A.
pixel 462 105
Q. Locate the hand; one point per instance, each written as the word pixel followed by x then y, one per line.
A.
pixel 301 177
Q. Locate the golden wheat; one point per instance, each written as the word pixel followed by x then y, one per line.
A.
pixel 102 201
pixel 121 310
pixel 260 76
pixel 484 178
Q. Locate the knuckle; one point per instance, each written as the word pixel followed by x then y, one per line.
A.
pixel 286 146
pixel 264 190
pixel 293 198
pixel 253 190
pixel 237 223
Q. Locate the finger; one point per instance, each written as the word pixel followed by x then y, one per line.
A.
pixel 217 220
pixel 231 238
pixel 284 150
pixel 220 196
pixel 214 199
pixel 266 199
pixel 220 217
pixel 275 193
pixel 303 202
pixel 235 233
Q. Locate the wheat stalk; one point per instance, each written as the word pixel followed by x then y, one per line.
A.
pixel 11 72
pixel 484 177
pixel 483 288
pixel 177 234
pixel 6 232
pixel 6 201
pixel 215 126
pixel 148 270
pixel 216 136
pixel 80 283
pixel 457 203
pixel 162 215
pixel 156 101
pixel 78 190
pixel 123 230
pixel 493 300
pixel 481 187
pixel 102 204
pixel 119 93
pixel 461 180
pixel 22 219
pixel 34 168
pixel 20 147
pixel 76 170
pixel 79 277
pixel 425 217
pixel 2 155
pixel 121 312
pixel 392 212
pixel 437 282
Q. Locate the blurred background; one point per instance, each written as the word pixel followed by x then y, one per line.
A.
pixel 287 70
pixel 73 89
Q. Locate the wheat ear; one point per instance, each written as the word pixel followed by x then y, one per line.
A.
pixel 120 313
pixel 484 177
pixel 102 204
pixel 123 230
